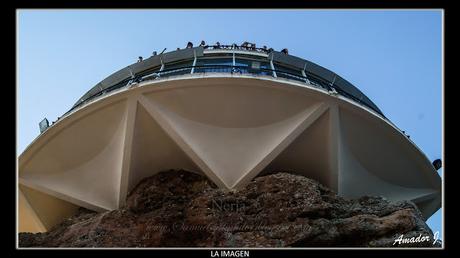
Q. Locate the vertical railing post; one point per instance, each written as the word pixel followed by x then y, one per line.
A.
pixel 194 62
pixel 333 80
pixel 162 66
pixel 304 74
pixel 272 67
pixel 331 85
pixel 233 61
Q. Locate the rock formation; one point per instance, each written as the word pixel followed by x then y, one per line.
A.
pixel 183 209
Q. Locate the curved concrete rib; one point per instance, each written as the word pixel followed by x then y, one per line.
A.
pixel 153 150
pixel 97 149
pixel 232 156
pixel 307 118
pixel 40 211
pixel 378 149
pixel 29 220
pixel 131 111
pixel 312 162
pixel 179 140
pixel 386 178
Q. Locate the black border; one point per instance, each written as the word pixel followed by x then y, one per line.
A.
pixel 10 105
pixel 234 4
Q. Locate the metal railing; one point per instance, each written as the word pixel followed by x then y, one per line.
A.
pixel 238 47
pixel 310 79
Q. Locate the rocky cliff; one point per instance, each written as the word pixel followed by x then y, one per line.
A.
pixel 183 209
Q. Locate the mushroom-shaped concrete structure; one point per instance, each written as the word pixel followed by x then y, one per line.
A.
pixel 229 113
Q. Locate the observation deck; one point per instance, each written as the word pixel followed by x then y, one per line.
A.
pixel 228 59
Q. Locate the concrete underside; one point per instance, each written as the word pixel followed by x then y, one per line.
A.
pixel 228 128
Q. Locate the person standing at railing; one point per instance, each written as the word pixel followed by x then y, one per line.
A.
pixel 236 70
pixel 264 49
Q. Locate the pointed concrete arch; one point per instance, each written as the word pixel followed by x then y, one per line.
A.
pixel 153 150
pixel 313 161
pixel 287 144
pixel 382 176
pixel 236 143
pixel 374 145
pixel 39 212
pixel 28 221
pixel 97 148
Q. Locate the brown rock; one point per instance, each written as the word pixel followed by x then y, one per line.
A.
pixel 183 209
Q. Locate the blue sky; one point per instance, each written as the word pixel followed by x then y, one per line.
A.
pixel 394 57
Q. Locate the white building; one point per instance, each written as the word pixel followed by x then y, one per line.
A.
pixel 229 113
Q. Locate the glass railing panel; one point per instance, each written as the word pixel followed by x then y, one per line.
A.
pixel 219 66
pixel 174 72
pixel 290 76
pixel 213 69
